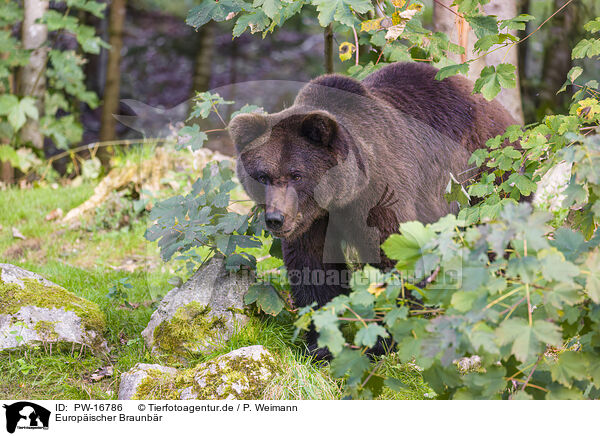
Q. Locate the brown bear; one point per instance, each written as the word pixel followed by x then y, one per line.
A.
pixel 351 160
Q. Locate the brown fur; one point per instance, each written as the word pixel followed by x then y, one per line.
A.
pixel 370 155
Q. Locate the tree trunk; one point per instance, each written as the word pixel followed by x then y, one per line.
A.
pixel 328 50
pixel 557 59
pixel 446 20
pixel 32 79
pixel 205 39
pixel 7 172
pixel 113 77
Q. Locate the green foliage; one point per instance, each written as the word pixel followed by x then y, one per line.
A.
pixel 508 287
pixel 201 219
pixel 65 79
pixel 501 301
pixel 493 79
pixel 118 292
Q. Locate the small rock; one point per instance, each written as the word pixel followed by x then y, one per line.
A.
pixel 55 214
pixel 34 310
pixel 100 373
pixel 201 314
pixel 468 364
pixel 242 374
pixel 17 234
pixel 132 379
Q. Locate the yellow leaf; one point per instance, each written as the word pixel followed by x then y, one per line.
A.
pixel 377 288
pixel 369 25
pixel 345 51
pixel 394 32
pixel 588 108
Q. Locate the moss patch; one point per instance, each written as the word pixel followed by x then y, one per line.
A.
pixel 158 385
pixel 191 329
pixel 237 377
pixel 45 330
pixel 34 293
pixel 234 378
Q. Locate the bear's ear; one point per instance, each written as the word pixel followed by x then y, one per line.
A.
pixel 319 128
pixel 245 128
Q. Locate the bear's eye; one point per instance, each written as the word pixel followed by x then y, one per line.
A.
pixel 296 177
pixel 263 179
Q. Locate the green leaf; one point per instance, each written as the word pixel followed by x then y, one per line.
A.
pixel 351 363
pixel 270 7
pixel 463 300
pixel 570 366
pixel 593 26
pixel 525 185
pixel 528 341
pixel 257 21
pixel 407 247
pixel 492 79
pixel 213 10
pixel 592 285
pixel 341 10
pixel 396 384
pixel 8 154
pixel 266 298
pixel 586 48
pixel 7 103
pixel 90 43
pixel 367 336
pixel 395 314
pixel 456 192
pixel 93 7
pixel 469 6
pixel 556 267
pixel 452 70
pixel 516 23
pixel 196 137
pixel 483 25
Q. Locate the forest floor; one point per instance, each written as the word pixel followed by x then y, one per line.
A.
pixel 88 260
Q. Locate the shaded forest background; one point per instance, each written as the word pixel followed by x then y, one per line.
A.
pixel 159 60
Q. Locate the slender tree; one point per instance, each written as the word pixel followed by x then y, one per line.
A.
pixel 205 39
pixel 557 58
pixel 31 78
pixel 7 172
pixel 113 76
pixel 328 49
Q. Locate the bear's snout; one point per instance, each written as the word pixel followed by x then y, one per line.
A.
pixel 274 220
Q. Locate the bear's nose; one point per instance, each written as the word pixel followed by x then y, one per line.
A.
pixel 274 220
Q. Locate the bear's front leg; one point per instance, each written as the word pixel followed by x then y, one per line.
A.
pixel 311 279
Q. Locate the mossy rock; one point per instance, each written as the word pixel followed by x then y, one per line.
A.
pixel 200 315
pixel 144 373
pixel 36 311
pixel 242 374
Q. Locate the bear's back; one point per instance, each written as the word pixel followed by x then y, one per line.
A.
pixel 446 105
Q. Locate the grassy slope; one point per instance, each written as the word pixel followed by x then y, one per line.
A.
pixel 86 263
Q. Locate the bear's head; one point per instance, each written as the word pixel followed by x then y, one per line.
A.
pixel 292 163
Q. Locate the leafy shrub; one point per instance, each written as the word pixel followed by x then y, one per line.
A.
pixel 501 301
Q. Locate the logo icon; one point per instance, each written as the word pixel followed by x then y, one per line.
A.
pixel 26 415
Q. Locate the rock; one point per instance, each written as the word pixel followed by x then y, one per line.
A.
pixel 141 372
pixel 468 364
pixel 201 314
pixel 242 374
pixel 550 190
pixel 34 310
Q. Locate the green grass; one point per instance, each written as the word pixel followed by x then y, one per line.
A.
pixel 88 262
